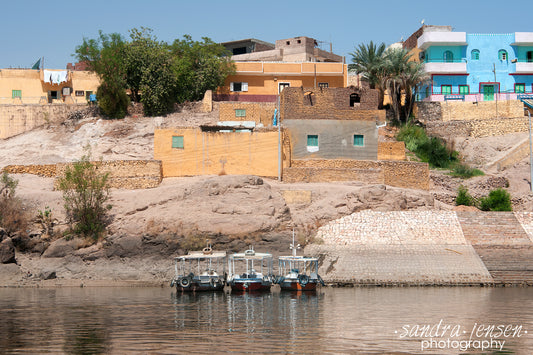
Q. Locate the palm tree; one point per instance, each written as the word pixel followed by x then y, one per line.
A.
pixel 368 60
pixel 396 63
pixel 402 76
pixel 414 76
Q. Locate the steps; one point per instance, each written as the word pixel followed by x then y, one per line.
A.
pixel 502 244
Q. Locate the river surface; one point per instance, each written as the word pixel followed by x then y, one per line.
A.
pixel 107 320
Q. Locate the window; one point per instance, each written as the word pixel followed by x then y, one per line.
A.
pixel 448 57
pixel 88 95
pixel 54 95
pixel 80 93
pixel 530 57
pixel 288 42
pixel 502 54
pixel 427 91
pixel 519 88
pixel 355 99
pixel 446 89
pixel 240 113
pixel 358 140
pixel 475 54
pixel 240 50
pixel 312 140
pixel 299 41
pixel 323 85
pixel 464 89
pixel 177 142
pixel 16 94
pixel 238 87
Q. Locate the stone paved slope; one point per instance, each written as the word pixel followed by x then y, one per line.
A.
pixel 387 248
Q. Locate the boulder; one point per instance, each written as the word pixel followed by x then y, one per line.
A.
pixel 47 275
pixel 61 248
pixel 7 251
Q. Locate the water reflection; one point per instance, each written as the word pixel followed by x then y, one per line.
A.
pixel 155 320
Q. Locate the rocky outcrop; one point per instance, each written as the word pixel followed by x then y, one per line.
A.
pixel 7 251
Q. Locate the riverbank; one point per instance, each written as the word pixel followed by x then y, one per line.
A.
pixel 367 248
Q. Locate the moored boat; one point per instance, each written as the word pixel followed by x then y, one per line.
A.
pixel 298 273
pixel 257 271
pixel 200 271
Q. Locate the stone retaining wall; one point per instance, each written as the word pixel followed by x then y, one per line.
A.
pixel 466 111
pixel 17 119
pixel 393 173
pixel 123 174
pixel 477 128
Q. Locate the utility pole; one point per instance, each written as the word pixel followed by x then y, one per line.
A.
pixel 495 94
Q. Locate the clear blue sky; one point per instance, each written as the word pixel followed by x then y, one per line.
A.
pixel 33 29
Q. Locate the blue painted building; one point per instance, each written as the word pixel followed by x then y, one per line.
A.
pixel 476 67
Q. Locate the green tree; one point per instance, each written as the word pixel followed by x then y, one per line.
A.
pixel 105 56
pixel 199 66
pixel 85 193
pixel 156 74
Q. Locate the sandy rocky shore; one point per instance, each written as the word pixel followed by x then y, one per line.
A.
pixel 149 227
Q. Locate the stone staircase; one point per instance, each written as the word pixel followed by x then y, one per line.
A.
pixel 502 244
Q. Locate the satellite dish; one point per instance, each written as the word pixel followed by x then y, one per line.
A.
pixel 423 20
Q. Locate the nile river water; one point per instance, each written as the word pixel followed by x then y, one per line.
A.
pixel 332 320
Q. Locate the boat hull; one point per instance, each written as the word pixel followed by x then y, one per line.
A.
pixel 250 286
pixel 294 285
pixel 197 287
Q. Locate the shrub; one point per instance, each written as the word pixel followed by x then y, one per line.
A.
pixel 430 150
pixel 13 215
pixel 85 193
pixel 497 200
pixel 465 172
pixel 463 197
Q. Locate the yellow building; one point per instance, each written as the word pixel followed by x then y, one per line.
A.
pixel 263 70
pixel 216 151
pixel 46 86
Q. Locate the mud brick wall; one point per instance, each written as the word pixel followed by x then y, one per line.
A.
pixel 259 112
pixel 391 151
pixel 478 128
pixel 403 174
pixel 17 119
pixel 123 174
pixel 331 103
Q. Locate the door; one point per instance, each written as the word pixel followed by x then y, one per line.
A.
pixel 283 86
pixel 488 93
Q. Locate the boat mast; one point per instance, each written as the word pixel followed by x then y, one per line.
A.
pixel 293 246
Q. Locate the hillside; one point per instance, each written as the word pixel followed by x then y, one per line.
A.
pixel 232 211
